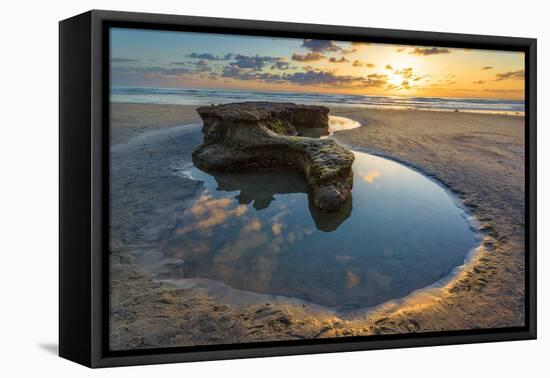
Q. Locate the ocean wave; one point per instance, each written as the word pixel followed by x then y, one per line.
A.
pixel 182 96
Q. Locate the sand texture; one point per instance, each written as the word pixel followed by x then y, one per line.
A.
pixel 128 120
pixel 480 157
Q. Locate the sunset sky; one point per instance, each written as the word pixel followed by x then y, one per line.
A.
pixel 147 58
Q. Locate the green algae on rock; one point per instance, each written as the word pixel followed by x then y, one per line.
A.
pixel 253 136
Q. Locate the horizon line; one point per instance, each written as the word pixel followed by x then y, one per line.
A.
pixel 522 99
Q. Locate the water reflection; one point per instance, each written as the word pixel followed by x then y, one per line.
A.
pixel 260 232
pixel 371 176
pixel 335 124
pixel 260 190
pixel 341 123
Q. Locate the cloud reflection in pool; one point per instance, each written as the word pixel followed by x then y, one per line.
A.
pixel 260 232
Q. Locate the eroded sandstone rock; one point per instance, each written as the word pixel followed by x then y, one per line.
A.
pixel 252 136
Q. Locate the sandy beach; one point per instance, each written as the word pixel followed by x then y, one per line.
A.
pixel 478 157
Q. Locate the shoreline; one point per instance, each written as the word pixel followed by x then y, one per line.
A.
pixel 420 311
pixel 513 113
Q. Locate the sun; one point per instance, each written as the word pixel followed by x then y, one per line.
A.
pixel 395 79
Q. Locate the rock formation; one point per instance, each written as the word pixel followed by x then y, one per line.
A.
pixel 253 136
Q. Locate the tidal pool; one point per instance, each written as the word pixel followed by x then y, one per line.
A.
pixel 260 232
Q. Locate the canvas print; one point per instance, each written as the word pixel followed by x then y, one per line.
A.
pixel 269 189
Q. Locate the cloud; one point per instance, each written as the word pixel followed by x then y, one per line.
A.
pixel 318 78
pixel 208 56
pixel 406 73
pixel 309 57
pixel 377 76
pixel 320 45
pixel 202 65
pixel 401 49
pixel 123 60
pixel 309 77
pixel 429 51
pixel 280 65
pixel 358 63
pixel 235 72
pixel 341 60
pixel 330 78
pixel 255 62
pixel 270 78
pixel 478 82
pixel 510 75
pixel 388 67
pixel 405 85
pixel 420 77
pixel 486 68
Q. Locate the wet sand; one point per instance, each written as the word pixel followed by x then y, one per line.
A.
pixel 480 157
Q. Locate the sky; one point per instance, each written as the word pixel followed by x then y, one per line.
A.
pixel 167 59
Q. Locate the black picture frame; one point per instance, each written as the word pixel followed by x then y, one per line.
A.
pixel 83 181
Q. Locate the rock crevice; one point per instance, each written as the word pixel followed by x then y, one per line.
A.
pixel 253 136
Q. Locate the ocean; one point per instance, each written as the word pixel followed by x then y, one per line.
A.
pixel 183 96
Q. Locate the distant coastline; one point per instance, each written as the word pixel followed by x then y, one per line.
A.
pixel 184 96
